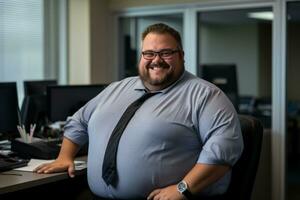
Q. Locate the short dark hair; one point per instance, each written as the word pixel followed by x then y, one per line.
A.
pixel 161 28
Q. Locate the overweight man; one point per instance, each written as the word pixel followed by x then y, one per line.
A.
pixel 165 134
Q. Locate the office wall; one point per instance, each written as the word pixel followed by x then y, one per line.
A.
pixel 79 42
pixel 101 42
pixel 226 44
pixel 90 42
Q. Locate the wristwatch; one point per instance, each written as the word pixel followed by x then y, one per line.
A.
pixel 182 187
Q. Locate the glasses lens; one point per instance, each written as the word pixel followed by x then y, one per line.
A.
pixel 166 53
pixel 148 54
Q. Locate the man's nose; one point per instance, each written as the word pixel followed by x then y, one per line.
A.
pixel 157 59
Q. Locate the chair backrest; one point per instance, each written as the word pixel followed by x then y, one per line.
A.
pixel 244 171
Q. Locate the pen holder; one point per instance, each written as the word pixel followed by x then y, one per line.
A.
pixel 26 137
pixel 29 140
pixel 38 148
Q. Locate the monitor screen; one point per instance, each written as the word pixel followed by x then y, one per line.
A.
pixel 34 111
pixel 9 115
pixel 37 87
pixel 64 101
pixel 223 76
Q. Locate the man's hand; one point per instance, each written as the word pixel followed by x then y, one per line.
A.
pixel 64 161
pixel 59 165
pixel 167 193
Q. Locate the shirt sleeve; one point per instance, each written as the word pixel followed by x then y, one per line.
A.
pixel 76 128
pixel 219 129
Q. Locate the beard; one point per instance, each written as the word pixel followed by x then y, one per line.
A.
pixel 167 77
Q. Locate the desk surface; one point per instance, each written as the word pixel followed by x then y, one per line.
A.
pixel 11 181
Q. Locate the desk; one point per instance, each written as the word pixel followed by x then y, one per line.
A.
pixel 15 184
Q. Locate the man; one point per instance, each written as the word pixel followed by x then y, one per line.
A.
pixel 180 143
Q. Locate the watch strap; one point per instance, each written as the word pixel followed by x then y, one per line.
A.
pixel 188 194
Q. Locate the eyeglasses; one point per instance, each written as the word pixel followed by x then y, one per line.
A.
pixel 164 54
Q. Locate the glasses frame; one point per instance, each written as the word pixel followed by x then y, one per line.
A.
pixel 160 53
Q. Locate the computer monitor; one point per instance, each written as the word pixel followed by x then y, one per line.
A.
pixel 34 111
pixel 223 76
pixel 9 110
pixel 64 101
pixel 37 87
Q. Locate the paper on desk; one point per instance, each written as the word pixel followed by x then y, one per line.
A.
pixel 34 163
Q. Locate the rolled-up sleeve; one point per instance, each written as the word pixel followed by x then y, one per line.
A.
pixel 76 128
pixel 219 130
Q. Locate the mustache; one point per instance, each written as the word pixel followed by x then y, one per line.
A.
pixel 158 65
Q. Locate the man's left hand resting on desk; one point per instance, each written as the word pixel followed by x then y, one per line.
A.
pixel 64 161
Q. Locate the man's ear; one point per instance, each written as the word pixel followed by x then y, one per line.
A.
pixel 182 54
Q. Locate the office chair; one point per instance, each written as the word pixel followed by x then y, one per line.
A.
pixel 244 171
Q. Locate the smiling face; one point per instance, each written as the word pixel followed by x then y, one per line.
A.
pixel 159 73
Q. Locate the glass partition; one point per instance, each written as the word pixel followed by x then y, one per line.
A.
pixel 235 53
pixel 32 41
pixel 242 40
pixel 293 101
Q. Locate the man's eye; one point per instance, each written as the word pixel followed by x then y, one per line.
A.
pixel 150 54
pixel 166 53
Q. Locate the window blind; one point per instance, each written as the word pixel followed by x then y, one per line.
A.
pixel 21 41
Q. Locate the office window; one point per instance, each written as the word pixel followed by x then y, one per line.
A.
pixel 240 41
pixel 131 29
pixel 32 44
pixel 21 38
pixel 293 101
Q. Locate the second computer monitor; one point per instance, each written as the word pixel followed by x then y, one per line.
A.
pixel 34 111
pixel 225 77
pixel 37 87
pixel 64 101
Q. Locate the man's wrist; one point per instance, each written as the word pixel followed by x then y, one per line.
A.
pixel 183 188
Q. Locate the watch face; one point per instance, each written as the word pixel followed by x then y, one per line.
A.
pixel 181 186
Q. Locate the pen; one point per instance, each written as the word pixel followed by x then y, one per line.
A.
pixel 32 128
pixel 22 134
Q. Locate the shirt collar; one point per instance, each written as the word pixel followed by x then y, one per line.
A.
pixel 140 86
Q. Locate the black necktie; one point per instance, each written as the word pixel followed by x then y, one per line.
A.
pixel 109 171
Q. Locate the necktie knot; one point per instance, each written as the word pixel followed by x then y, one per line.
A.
pixel 146 96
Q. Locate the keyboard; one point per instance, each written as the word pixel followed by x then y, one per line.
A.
pixel 9 162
